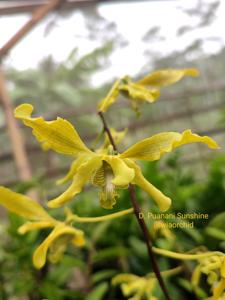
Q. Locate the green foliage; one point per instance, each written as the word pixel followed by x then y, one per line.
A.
pixel 112 247
pixel 115 246
pixel 64 84
pixel 98 292
pixel 211 196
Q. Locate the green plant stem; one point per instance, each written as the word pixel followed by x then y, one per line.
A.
pixel 142 224
pixel 168 273
pixel 186 256
pixel 101 218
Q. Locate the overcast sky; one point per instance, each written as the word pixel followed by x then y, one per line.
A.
pixel 132 20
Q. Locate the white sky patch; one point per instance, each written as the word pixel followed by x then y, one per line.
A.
pixel 133 20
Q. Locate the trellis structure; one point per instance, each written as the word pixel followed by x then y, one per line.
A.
pixel 40 9
pixel 156 121
pixel 29 6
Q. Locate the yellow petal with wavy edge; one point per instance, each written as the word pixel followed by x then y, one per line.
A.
pixel 40 254
pixel 123 175
pixel 59 246
pixel 58 135
pixel 139 92
pixel 161 200
pixel 167 77
pixel 84 173
pixel 23 205
pixel 154 147
pixel 29 226
pixel 110 98
pixel 73 169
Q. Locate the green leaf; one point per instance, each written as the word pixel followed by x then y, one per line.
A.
pixel 194 234
pixel 100 230
pixel 102 275
pixel 218 221
pixel 25 186
pixel 111 253
pixel 98 292
pixel 184 283
pixel 70 261
pixel 138 246
pixel 215 233
pixel 51 291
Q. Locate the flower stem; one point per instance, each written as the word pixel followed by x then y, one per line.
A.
pixel 107 130
pixel 148 241
pixel 168 273
pixel 142 224
pixel 101 218
pixel 186 256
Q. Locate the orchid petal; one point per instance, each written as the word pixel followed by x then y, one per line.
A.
pixel 166 77
pixel 123 174
pixel 40 254
pixel 196 275
pixel 23 205
pixel 139 92
pixel 84 173
pixel 73 169
pixel 29 226
pixel 161 200
pixel 110 98
pixel 58 135
pixel 154 147
pixel 218 289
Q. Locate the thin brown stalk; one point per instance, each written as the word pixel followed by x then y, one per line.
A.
pixel 141 222
pixel 18 146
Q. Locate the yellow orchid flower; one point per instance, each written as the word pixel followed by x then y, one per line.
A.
pixel 56 242
pixel 109 171
pixel 137 287
pixel 210 263
pixel 118 136
pixel 141 287
pixel 145 89
pixel 214 268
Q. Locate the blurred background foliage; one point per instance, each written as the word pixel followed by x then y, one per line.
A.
pixel 193 177
pixel 114 247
